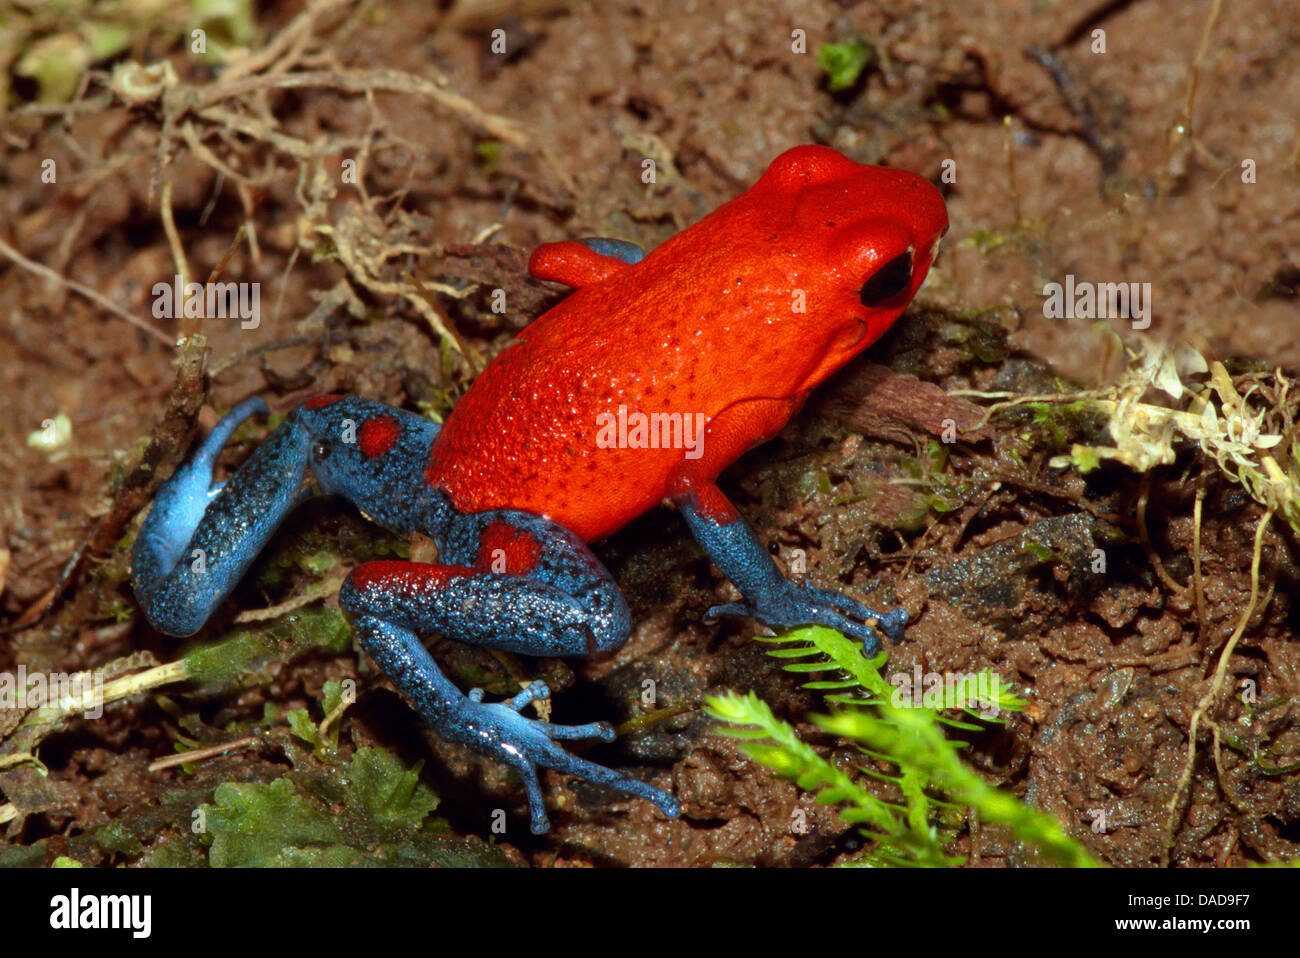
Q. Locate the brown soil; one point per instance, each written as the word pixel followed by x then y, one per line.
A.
pixel 1067 161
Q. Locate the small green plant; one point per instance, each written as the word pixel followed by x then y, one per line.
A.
pixel 843 63
pixel 372 811
pixel 932 785
pixel 52 45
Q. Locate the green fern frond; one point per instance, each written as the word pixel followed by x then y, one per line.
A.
pixel 934 785
pixel 790 757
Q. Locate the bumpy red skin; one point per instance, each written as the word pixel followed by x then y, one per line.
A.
pixel 708 322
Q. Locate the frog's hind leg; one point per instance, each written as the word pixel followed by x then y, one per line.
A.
pixel 548 596
pixel 201 536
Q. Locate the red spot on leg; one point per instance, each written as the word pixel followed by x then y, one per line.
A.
pixel 705 497
pixel 399 576
pixel 377 436
pixel 320 402
pixel 501 540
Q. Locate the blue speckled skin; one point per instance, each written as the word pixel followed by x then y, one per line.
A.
pixel 200 537
pixel 567 605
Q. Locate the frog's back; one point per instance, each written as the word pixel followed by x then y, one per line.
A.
pixel 757 302
pixel 550 425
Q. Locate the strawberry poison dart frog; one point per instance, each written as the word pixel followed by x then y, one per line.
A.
pixel 727 326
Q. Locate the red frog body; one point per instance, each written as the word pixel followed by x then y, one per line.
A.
pixel 737 318
pixel 655 374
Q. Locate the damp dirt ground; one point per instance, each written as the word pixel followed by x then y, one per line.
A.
pixel 1148 142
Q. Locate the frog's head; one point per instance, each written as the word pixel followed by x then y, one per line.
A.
pixel 868 235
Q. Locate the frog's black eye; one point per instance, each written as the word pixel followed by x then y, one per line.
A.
pixel 888 281
pixel 321 450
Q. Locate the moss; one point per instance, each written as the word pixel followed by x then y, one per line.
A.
pixel 224 664
pixel 56 43
pixel 115 839
pixel 372 811
pixel 24 856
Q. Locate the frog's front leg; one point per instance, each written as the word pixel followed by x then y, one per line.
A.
pixel 769 596
pixel 506 580
pixel 735 549
pixel 200 536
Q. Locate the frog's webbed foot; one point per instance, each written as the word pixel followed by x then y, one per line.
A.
pixel 496 729
pixel 526 743
pixel 797 605
pixel 769 596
